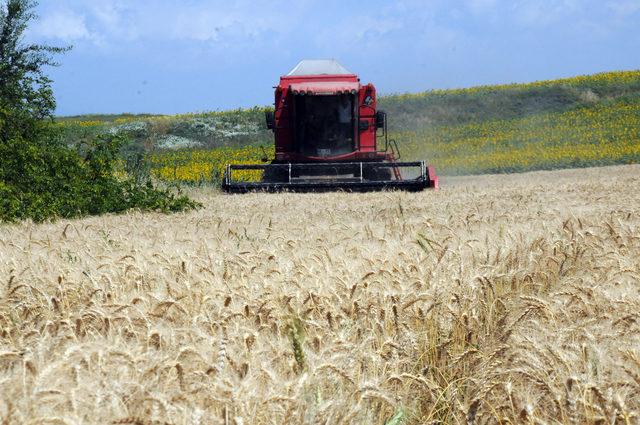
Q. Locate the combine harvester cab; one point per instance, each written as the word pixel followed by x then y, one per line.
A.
pixel 329 135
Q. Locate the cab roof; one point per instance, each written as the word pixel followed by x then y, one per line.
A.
pixel 319 67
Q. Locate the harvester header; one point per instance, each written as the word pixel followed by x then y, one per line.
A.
pixel 329 135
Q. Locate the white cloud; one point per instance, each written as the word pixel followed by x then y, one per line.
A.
pixel 114 21
pixel 64 25
pixel 481 6
pixel 107 13
pixel 359 28
pixel 209 24
pixel 624 8
pixel 110 17
pixel 244 23
pixel 538 13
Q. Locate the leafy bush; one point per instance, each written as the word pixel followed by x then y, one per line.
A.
pixel 45 179
pixel 240 127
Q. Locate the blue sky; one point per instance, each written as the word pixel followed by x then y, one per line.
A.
pixel 171 56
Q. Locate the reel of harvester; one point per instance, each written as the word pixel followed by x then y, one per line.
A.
pixel 330 176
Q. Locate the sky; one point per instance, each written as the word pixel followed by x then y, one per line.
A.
pixel 179 56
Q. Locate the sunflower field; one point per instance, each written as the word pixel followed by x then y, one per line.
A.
pixel 203 166
pixel 603 134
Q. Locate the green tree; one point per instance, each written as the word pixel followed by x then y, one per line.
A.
pixel 40 177
pixel 26 96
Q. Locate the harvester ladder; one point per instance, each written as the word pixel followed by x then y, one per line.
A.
pixel 394 156
pixel 396 172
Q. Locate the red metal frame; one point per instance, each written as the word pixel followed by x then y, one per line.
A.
pixel 366 148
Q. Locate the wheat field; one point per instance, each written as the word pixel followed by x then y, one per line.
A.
pixel 498 299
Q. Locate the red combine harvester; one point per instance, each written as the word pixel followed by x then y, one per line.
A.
pixel 328 136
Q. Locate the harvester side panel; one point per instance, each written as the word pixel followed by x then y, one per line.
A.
pixel 367 113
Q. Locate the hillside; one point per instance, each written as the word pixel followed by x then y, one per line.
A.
pixel 577 122
pixel 581 121
pixel 411 112
pixel 499 299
